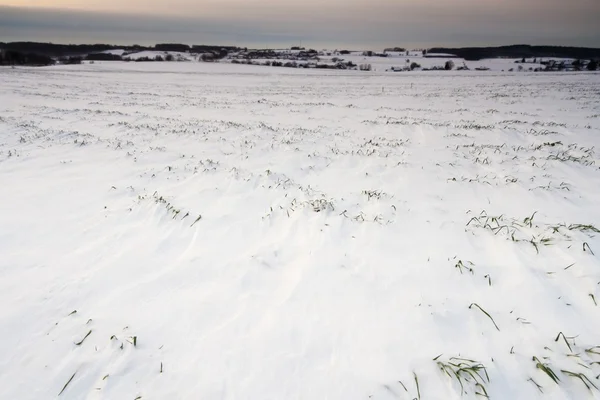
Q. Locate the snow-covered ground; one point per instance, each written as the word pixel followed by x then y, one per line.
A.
pixel 401 61
pixel 394 62
pixel 117 52
pixel 217 231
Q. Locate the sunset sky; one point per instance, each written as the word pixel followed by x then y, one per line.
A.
pixel 411 23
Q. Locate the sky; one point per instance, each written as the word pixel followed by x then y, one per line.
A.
pixel 313 23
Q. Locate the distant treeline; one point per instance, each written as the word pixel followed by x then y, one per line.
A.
pixel 103 57
pixel 60 50
pixel 10 57
pixel 520 51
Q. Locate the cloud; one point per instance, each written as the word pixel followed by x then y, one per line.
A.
pixel 330 23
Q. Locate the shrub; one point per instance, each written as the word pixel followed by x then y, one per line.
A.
pixel 592 65
pixel 449 65
pixel 414 65
pixel 169 57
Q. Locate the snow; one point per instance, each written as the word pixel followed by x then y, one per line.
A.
pixel 117 52
pixel 351 225
pixel 439 55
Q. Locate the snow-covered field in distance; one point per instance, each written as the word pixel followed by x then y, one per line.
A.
pixel 217 231
pixel 395 60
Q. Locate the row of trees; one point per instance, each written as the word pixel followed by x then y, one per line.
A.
pixel 10 57
pixel 103 57
pixel 294 64
pixel 159 58
pixel 520 51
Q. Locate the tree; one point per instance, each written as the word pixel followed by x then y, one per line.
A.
pixel 449 65
pixel 414 66
pixel 169 57
pixel 592 65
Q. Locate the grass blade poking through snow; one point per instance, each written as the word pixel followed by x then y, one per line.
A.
pixel 565 339
pixel 197 219
pixel 85 337
pixel 585 244
pixel 417 384
pixel 536 384
pixel 593 350
pixel 582 377
pixel 547 370
pixel 486 313
pixel 67 384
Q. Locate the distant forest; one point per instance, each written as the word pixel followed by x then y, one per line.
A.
pixel 520 51
pixel 40 54
pixel 60 50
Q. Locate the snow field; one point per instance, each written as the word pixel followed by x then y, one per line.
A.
pixel 193 230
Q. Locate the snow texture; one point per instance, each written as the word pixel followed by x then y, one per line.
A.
pixel 218 231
